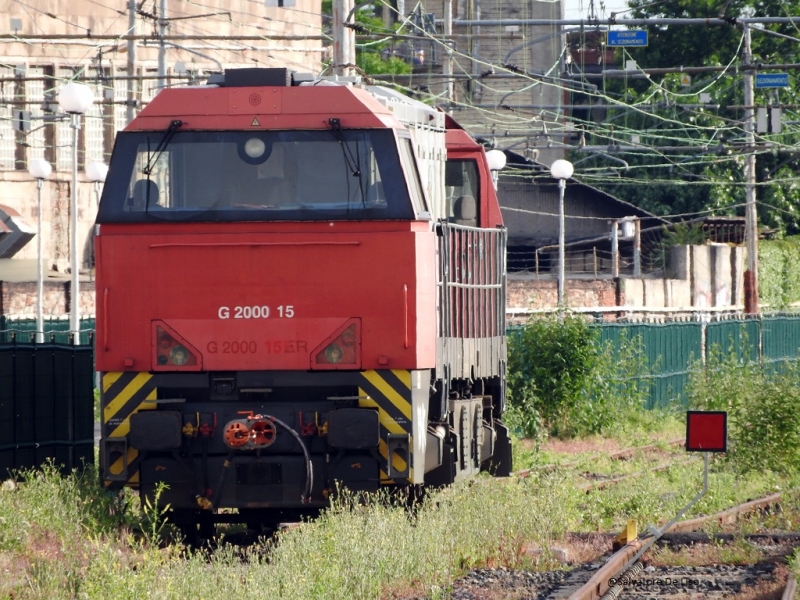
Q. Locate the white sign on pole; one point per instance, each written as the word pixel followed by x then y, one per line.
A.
pixel 761 119
pixel 775 118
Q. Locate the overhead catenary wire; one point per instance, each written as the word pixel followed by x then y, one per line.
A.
pixel 616 136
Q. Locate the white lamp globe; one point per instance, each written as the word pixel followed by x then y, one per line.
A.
pixel 561 169
pixel 97 171
pixel 39 168
pixel 75 98
pixel 496 159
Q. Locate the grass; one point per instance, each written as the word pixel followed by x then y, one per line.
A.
pixel 64 537
pixel 740 552
pixel 654 498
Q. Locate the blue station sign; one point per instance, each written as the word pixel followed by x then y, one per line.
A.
pixel 772 80
pixel 635 38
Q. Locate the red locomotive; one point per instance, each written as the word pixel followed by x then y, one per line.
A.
pixel 299 283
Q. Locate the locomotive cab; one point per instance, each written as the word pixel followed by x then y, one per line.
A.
pixel 296 292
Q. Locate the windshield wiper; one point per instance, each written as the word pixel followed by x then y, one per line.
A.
pixel 353 163
pixel 162 145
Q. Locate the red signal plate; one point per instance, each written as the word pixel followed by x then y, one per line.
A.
pixel 706 431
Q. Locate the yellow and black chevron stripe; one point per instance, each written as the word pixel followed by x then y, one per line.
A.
pixel 124 393
pixel 390 392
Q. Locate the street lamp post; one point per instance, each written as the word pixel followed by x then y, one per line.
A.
pixel 497 162
pixel 96 171
pixel 75 99
pixel 562 170
pixel 40 169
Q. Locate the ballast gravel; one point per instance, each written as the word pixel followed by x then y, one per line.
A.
pixel 715 581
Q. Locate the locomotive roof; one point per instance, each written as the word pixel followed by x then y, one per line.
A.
pixel 256 108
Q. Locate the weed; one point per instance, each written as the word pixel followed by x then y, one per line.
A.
pixel 550 361
pixel 154 521
pixel 794 563
pixel 762 406
pixel 563 382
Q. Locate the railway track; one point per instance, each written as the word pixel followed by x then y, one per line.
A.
pixel 611 578
pixel 619 455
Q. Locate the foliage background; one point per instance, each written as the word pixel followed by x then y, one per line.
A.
pixel 708 175
pixel 779 272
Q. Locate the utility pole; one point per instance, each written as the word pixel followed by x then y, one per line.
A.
pixel 131 84
pixel 751 217
pixel 447 69
pixel 162 44
pixel 344 38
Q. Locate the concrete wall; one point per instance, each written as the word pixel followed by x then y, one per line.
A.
pixel 19 299
pixel 712 278
pixel 38 64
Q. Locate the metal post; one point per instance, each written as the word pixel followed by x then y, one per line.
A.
pixel 751 217
pixel 39 270
pixel 74 315
pixel 614 249
pixel 344 39
pixel 637 247
pixel 562 184
pixel 447 69
pixel 131 83
pixel 162 44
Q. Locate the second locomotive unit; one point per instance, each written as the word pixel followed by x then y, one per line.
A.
pixel 300 284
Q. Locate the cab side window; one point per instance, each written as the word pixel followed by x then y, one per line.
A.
pixel 463 192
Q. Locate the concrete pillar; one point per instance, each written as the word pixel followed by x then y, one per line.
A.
pixel 701 276
pixel 721 276
pixel 633 291
pixel 737 275
pixel 678 264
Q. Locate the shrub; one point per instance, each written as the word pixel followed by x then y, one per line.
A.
pixel 763 430
pixel 562 381
pixel 618 389
pixel 550 362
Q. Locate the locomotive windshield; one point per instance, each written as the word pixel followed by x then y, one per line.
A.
pixel 264 175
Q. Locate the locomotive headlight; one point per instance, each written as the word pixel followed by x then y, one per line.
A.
pixel 254 147
pixel 334 354
pixel 178 356
pixel 340 351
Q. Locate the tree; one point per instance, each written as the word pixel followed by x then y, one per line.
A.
pixel 373 58
pixel 667 114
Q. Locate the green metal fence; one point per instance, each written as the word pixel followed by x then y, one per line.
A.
pixel 673 349
pixel 737 336
pixel 56 330
pixel 780 340
pixel 46 405
pixel 669 350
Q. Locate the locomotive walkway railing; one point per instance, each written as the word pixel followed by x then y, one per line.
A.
pixel 471 288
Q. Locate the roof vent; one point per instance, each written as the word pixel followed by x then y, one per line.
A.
pixel 255 77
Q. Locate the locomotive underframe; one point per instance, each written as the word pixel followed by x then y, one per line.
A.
pixel 169 434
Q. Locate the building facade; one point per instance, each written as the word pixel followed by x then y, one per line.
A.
pixel 118 48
